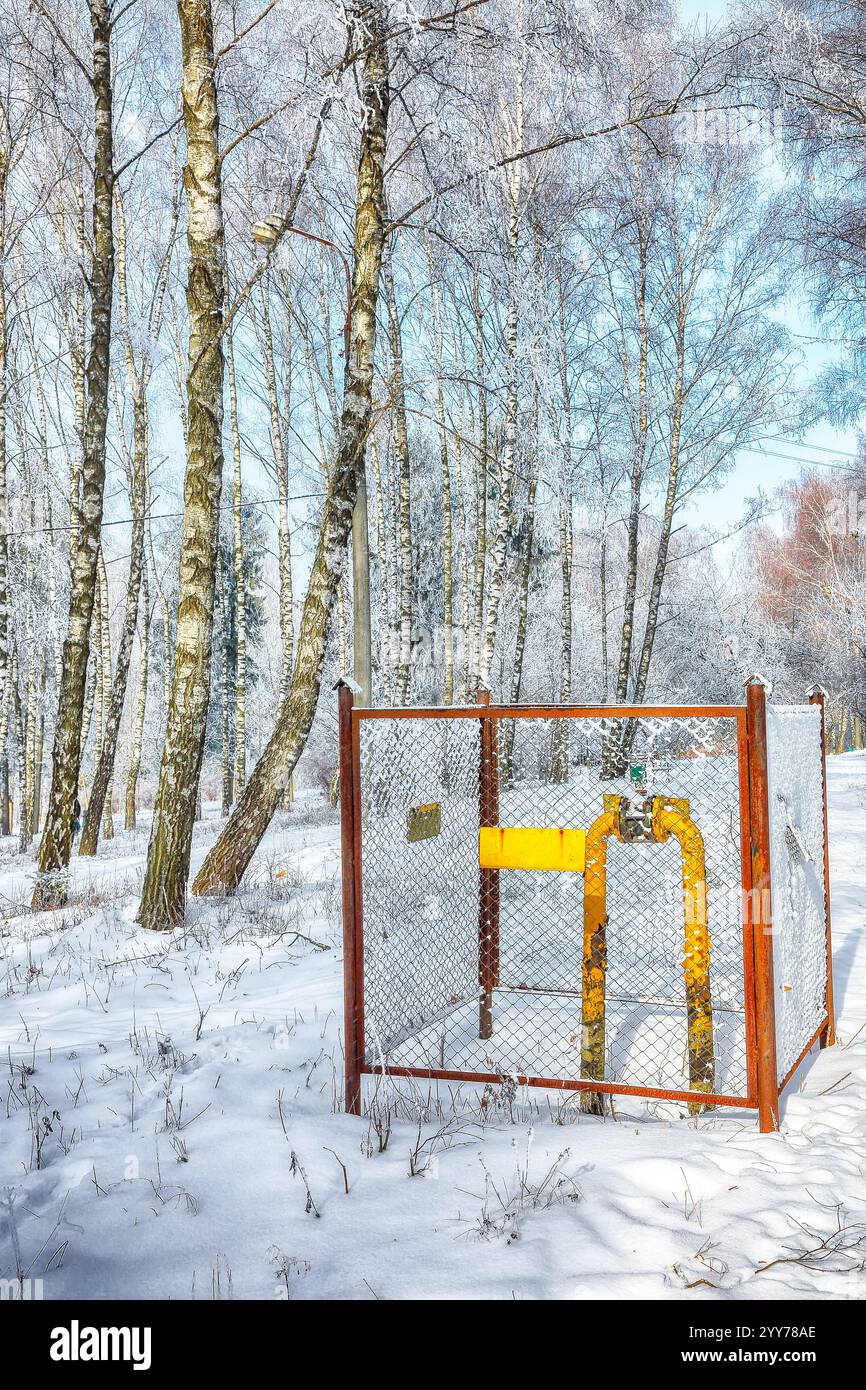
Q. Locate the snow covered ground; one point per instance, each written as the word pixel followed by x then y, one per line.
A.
pixel 171 1123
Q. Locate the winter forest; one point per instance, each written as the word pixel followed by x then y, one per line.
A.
pixel 410 343
pixel 447 353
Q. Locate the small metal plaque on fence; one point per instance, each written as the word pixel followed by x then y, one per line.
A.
pixel 424 821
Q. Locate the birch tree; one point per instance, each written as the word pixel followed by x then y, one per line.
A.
pixel 15 126
pixel 229 857
pixel 164 889
pixel 717 365
pixel 239 566
pixel 139 368
pixel 56 843
pixel 404 494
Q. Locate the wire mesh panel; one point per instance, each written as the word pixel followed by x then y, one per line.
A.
pixel 557 772
pixel 472 971
pixel 420 889
pixel 795 777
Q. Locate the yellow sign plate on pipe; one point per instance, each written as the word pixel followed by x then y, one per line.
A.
pixel 500 847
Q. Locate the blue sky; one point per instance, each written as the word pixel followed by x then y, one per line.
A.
pixel 824 446
pixel 703 9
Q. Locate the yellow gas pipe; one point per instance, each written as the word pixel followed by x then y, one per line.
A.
pixel 595 949
pixel 670 816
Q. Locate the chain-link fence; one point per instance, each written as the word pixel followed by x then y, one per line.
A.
pixel 637 971
pixel 797 873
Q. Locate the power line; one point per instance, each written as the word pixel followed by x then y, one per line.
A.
pixel 805 463
pixel 821 448
pixel 310 496
pixel 162 516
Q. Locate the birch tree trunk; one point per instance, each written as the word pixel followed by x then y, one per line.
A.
pixel 481 468
pixel 93 686
pixel 386 585
pixel 566 552
pixel 465 584
pixel 362 624
pixel 614 756
pixel 229 857
pixel 31 708
pixel 141 705
pixel 663 549
pixel 240 770
pixel 522 625
pixel 45 560
pixel 225 689
pixel 6 701
pixel 662 552
pixel 39 743
pixel 602 585
pixel 105 693
pixel 166 614
pixel 5 665
pixel 164 890
pixel 284 551
pixel 499 549
pixel 137 467
pixel 21 760
pixel 5 716
pixel 342 609
pixel 56 642
pixel 362 638
pixel 566 549
pixel 99 811
pixel 447 514
pixel 78 359
pixel 401 447
pixel 637 470
pixel 56 844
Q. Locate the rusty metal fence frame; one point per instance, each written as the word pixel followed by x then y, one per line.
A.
pixel 763 1085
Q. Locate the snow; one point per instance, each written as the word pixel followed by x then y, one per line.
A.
pixel 421 903
pixel 797 876
pixel 538 1034
pixel 192 1087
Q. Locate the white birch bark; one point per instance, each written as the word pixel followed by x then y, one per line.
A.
pixel 131 809
pixel 404 511
pixel 164 889
pixel 238 562
pixel 56 843
pixel 229 857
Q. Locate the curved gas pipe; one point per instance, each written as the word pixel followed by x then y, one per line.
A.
pixel 660 818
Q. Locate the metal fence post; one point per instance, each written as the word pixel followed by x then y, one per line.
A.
pixel 761 911
pixel 350 837
pixel 817 696
pixel 488 907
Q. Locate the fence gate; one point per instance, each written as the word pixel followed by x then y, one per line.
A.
pixel 602 899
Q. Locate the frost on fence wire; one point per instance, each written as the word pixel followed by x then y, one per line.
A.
pixel 421 899
pixel 797 873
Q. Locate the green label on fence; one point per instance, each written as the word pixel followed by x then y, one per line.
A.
pixel 424 821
